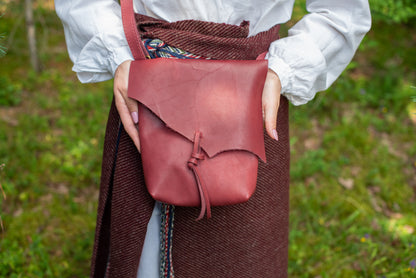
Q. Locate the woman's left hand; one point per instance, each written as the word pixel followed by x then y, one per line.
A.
pixel 270 102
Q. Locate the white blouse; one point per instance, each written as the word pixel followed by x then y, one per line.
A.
pixel 315 52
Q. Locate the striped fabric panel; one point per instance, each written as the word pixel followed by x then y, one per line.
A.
pixel 166 233
pixel 159 49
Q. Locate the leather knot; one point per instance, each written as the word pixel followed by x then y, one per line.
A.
pixel 195 156
pixel 192 165
pixel 196 152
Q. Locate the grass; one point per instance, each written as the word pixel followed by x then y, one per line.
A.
pixel 353 161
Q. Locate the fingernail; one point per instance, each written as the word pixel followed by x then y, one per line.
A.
pixel 275 135
pixel 135 117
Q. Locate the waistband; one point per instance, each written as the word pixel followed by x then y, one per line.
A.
pixel 208 39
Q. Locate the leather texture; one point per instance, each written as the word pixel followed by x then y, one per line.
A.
pixel 200 127
pixel 220 99
pixel 217 101
pixel 130 30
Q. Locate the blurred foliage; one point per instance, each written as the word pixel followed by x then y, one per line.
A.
pixel 9 92
pixel 398 11
pixel 353 162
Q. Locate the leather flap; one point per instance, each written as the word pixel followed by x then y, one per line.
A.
pixel 221 99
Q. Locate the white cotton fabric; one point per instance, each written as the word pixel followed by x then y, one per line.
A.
pixel 316 51
pixel 149 265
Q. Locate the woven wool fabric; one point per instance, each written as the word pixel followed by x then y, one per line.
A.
pixel 245 240
pixel 207 39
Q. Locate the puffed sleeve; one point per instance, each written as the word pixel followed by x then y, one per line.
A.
pixel 94 37
pixel 319 47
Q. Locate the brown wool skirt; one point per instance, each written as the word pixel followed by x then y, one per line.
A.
pixel 248 240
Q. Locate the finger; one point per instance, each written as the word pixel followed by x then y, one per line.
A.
pixel 270 103
pixel 126 107
pixel 270 118
pixel 132 106
pixel 126 119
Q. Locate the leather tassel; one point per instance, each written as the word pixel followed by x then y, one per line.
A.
pixel 192 165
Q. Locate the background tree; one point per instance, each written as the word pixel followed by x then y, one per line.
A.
pixel 2 47
pixel 31 35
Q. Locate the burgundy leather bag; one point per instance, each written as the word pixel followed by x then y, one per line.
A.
pixel 200 127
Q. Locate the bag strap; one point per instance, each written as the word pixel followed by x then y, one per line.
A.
pixel 130 30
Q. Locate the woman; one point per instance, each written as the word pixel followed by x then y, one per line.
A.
pixel 247 240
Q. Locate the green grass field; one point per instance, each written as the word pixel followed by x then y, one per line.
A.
pixel 353 167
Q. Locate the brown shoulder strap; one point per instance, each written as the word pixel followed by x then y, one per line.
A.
pixel 131 31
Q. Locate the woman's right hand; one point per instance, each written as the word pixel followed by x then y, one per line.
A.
pixel 271 102
pixel 127 107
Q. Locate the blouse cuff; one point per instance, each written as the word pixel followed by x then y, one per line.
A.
pixel 286 76
pixel 299 63
pixel 282 69
pixel 119 55
pixel 101 56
